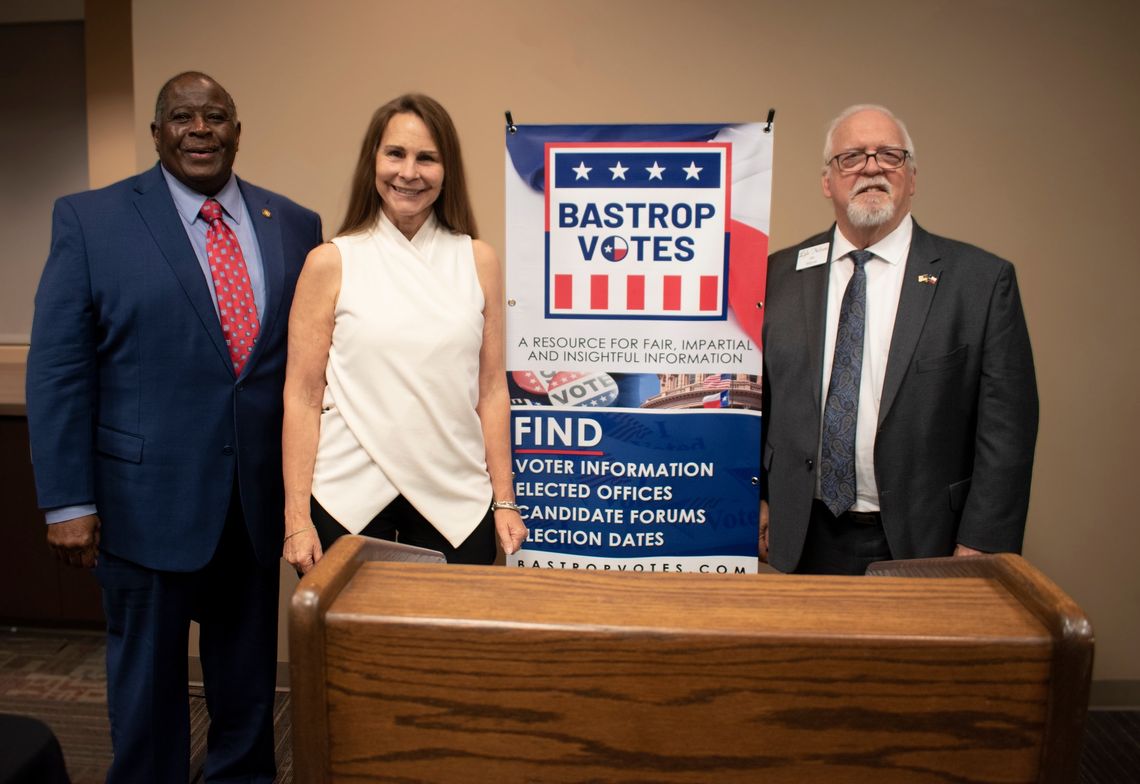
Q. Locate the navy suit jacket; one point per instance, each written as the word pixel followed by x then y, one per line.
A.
pixel 958 414
pixel 132 401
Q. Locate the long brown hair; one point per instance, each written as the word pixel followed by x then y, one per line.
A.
pixel 452 208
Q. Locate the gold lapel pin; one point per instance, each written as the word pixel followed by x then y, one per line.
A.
pixel 928 279
pixel 267 213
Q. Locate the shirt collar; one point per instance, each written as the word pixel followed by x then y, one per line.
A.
pixel 188 201
pixel 892 248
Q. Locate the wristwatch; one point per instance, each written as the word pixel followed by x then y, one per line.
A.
pixel 496 505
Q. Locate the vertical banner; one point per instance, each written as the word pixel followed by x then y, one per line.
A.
pixel 636 257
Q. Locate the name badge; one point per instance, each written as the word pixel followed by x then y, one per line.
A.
pixel 812 257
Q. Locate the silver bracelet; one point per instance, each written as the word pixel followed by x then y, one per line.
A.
pixel 497 505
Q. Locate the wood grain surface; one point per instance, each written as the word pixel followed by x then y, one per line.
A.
pixel 447 673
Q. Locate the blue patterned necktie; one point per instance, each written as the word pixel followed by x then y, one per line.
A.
pixel 841 411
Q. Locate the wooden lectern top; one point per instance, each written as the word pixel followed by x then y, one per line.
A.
pixel 976 608
pixel 928 671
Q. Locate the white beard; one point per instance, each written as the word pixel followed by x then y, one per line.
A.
pixel 865 215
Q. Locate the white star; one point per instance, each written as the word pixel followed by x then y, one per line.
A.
pixel 583 171
pixel 655 171
pixel 692 171
pixel 619 171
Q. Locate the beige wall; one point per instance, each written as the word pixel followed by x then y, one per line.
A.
pixel 110 92
pixel 1024 113
pixel 43 136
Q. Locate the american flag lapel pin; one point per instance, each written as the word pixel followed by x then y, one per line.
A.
pixel 267 213
pixel 928 279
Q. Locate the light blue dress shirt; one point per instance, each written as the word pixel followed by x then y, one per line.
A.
pixel 236 216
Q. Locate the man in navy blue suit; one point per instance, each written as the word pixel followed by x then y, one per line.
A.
pixel 157 449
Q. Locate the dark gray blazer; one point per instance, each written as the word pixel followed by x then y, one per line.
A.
pixel 958 414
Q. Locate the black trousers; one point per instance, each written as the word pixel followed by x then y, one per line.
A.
pixel 399 521
pixel 847 544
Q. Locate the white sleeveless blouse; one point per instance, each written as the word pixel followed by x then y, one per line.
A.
pixel 403 382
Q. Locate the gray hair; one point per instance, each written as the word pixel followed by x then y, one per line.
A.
pixel 867 107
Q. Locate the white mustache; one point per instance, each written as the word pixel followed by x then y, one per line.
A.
pixel 866 183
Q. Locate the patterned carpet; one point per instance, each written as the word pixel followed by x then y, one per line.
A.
pixel 1112 748
pixel 57 676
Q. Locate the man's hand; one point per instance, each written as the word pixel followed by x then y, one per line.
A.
pixel 76 542
pixel 763 532
pixel 962 550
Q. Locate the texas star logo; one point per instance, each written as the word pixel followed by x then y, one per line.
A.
pixel 637 231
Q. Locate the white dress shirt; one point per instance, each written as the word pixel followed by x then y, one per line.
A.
pixel 885 273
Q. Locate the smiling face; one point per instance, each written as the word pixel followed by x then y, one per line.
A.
pixel 869 204
pixel 409 172
pixel 196 135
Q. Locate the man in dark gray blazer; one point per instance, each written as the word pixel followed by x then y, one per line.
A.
pixel 900 403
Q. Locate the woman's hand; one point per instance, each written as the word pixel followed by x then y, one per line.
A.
pixel 303 549
pixel 510 529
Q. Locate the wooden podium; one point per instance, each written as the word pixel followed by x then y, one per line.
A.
pixel 946 670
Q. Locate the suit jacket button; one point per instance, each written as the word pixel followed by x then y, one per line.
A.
pixel 809 463
pixel 227 450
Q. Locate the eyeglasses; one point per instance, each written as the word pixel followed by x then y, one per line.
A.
pixel 856 160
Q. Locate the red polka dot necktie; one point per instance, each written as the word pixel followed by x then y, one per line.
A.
pixel 236 307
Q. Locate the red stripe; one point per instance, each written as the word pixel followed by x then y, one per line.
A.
pixel 747 266
pixel 599 292
pixel 563 292
pixel 635 292
pixel 672 299
pixel 710 284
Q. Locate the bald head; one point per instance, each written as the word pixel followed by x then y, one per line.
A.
pixel 196 132
pixel 163 100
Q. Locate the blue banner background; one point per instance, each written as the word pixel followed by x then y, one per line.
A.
pixel 728 499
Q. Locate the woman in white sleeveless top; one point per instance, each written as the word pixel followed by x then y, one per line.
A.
pixel 396 410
